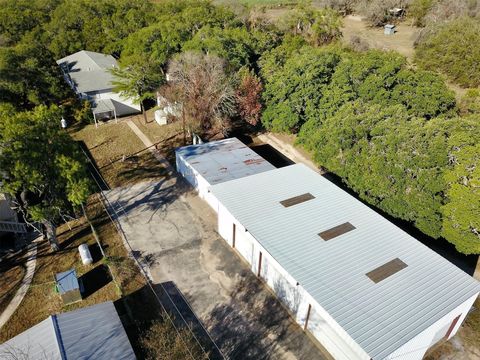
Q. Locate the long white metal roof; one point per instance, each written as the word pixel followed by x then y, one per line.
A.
pixel 381 316
pixel 223 160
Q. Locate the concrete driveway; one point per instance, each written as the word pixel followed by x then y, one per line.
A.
pixel 172 232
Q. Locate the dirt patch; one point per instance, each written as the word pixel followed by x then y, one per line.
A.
pixel 402 41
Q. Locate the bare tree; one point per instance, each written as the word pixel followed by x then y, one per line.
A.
pixel 163 341
pixel 199 82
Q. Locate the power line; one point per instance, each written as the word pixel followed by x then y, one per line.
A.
pixel 103 199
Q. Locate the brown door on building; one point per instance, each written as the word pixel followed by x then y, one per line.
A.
pixel 259 264
pixel 452 326
pixel 233 235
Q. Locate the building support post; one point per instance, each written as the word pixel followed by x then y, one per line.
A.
pixel 259 264
pixel 308 316
pixel 95 119
pixel 115 114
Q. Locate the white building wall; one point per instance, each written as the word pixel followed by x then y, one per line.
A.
pixel 320 324
pixel 415 348
pixel 6 213
pixel 197 181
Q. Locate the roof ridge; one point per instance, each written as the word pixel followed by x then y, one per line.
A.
pixel 58 337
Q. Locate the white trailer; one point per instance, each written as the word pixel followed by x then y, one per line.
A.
pixel 361 286
pixel 211 163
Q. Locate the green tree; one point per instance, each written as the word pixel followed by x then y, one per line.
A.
pixel 18 17
pixel 391 159
pixel 41 167
pixel 452 48
pixel 237 45
pixel 95 25
pixel 418 9
pixel 29 76
pixel 461 221
pixel 274 59
pixel 317 26
pixel 297 89
pixel 138 79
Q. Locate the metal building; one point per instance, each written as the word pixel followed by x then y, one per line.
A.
pixel 215 162
pixel 94 332
pixel 360 285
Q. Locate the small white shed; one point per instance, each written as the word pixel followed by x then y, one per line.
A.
pixel 215 162
pixel 361 286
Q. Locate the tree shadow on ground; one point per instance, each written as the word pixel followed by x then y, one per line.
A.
pixel 252 323
pixel 180 311
pixel 153 196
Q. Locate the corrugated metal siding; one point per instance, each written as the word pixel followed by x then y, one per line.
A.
pixel 95 332
pixel 37 343
pixel 379 317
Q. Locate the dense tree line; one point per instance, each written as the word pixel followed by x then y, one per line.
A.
pixel 392 133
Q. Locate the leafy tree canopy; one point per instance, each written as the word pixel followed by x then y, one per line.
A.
pixel 453 49
pixel 461 223
pixel 29 75
pixel 41 167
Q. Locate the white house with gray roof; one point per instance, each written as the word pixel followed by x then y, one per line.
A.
pixel 363 287
pixel 94 332
pixel 88 74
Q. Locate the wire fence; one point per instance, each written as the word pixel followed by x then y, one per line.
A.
pixel 107 207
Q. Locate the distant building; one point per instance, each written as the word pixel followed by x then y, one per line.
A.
pixel 88 75
pixel 94 332
pixel 9 218
pixel 389 29
pixel 361 286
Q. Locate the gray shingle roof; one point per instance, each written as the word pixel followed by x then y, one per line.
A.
pixel 89 70
pixel 94 332
pixel 379 317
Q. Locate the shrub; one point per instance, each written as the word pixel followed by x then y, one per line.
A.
pixel 418 9
pixel 470 102
pixel 318 27
pixel 453 49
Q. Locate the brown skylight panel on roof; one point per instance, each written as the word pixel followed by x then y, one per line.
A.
pixel 336 231
pixel 297 199
pixel 386 270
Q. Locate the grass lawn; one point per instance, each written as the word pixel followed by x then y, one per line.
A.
pixel 119 155
pixel 166 137
pixel 12 270
pixel 41 299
